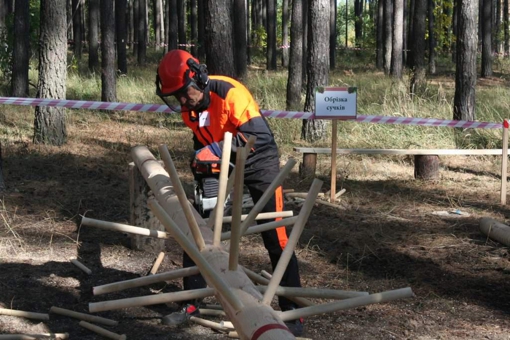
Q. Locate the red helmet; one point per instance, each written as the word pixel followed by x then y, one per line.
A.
pixel 174 72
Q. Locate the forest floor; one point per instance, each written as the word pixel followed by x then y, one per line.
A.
pixel 394 232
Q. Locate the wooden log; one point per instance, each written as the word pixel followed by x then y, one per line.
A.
pixel 347 304
pixel 141 216
pixel 123 228
pixel 157 263
pixel 212 312
pixel 57 336
pixel 495 230
pixel 81 266
pixel 102 331
pixel 309 165
pixel 426 167
pixel 254 317
pixel 148 300
pixel 143 281
pixel 24 314
pixel 83 316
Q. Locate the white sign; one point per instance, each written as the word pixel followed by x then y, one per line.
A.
pixel 336 103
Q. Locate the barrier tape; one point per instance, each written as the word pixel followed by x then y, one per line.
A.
pixel 95 105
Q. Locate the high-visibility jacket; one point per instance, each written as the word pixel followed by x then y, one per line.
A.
pixel 232 108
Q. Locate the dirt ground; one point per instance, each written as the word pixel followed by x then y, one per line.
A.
pixel 392 232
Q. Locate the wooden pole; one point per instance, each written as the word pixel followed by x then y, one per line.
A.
pixel 263 227
pixel 123 228
pixel 83 316
pixel 315 293
pixel 334 129
pixel 179 191
pixel 102 331
pixel 262 216
pixel 157 263
pixel 143 281
pixel 148 300
pixel 207 323
pixel 205 268
pixel 292 241
pixel 222 190
pixel 504 162
pixel 23 314
pixel 263 281
pixel 347 304
pixel 266 196
pixel 237 210
pixel 230 182
pixel 81 266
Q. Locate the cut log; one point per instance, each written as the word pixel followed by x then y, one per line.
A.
pixel 495 230
pixel 309 165
pixel 426 167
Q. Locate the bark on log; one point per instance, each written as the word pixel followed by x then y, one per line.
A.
pixel 309 165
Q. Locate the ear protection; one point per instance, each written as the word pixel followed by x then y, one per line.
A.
pixel 200 76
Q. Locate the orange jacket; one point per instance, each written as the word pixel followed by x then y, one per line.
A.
pixel 232 108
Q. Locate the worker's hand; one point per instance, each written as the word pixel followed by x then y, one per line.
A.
pixel 210 153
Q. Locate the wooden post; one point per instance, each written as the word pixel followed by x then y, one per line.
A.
pixel 237 210
pixel 504 162
pixel 334 129
pixel 222 189
pixel 309 166
pixel 426 167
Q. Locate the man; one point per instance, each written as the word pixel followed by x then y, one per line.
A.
pixel 211 106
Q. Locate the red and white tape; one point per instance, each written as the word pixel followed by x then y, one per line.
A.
pixel 94 105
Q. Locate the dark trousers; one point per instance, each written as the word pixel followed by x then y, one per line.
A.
pixel 274 240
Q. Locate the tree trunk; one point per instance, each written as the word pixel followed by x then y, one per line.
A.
pixel 271 35
pixel 506 20
pixel 108 68
pixel 332 35
pixel 417 46
pixel 120 28
pixel 157 22
pixel 5 9
pixel 135 27
pixel 94 35
pixel 295 80
pixel 285 33
pixel 318 67
pixel 219 33
pixel 455 25
pixel 306 4
pixel 49 122
pixel 181 22
pixel 497 29
pixel 465 73
pixel 379 35
pixel 21 49
pixel 2 181
pixel 487 39
pixel 77 32
pixel 173 28
pixel 398 35
pixel 193 12
pixel 432 38
pixel 388 34
pixel 240 44
pixel 358 24
pixel 142 33
pixel 201 30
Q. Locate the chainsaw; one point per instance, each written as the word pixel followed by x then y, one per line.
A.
pixel 206 189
